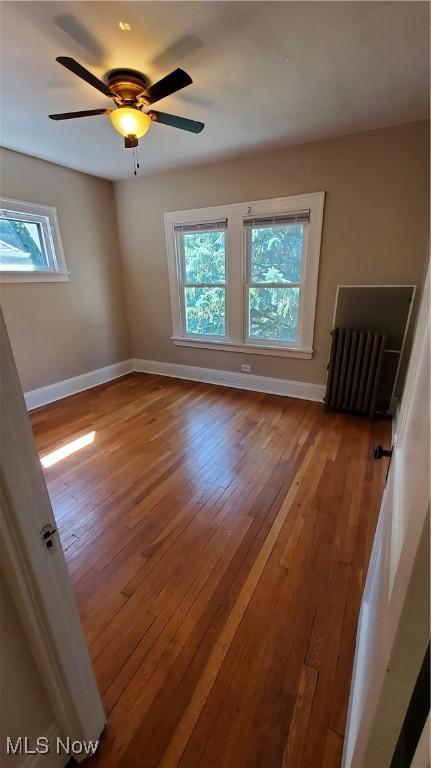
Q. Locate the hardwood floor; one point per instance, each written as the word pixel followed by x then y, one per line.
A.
pixel 218 542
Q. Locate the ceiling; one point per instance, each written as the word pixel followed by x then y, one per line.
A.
pixel 265 74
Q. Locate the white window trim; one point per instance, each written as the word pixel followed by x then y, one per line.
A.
pixel 235 339
pixel 184 284
pixel 301 284
pixel 53 244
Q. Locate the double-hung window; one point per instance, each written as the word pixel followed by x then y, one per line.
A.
pixel 30 243
pixel 202 253
pixel 243 277
pixel 275 266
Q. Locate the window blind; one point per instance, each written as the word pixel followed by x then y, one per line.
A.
pixel 206 226
pixel 296 217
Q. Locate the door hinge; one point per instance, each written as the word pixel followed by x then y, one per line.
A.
pixel 379 452
pixel 46 533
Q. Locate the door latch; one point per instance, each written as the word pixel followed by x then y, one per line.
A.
pixel 46 533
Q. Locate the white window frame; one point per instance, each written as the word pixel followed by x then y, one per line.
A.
pixel 183 284
pixel 46 217
pixel 236 339
pixel 302 284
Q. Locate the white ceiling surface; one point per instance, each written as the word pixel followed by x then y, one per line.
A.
pixel 265 74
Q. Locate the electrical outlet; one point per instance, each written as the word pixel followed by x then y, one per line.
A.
pixel 246 368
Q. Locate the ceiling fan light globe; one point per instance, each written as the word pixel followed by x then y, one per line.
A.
pixel 130 121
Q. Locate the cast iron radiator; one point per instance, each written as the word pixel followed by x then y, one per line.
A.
pixel 354 370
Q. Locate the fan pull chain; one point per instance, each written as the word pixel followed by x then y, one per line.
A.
pixel 135 160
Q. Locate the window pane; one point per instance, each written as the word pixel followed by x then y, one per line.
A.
pixel 276 254
pixel 204 255
pixel 21 246
pixel 205 311
pixel 273 313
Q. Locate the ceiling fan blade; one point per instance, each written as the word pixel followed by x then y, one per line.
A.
pixel 170 84
pixel 84 74
pixel 176 122
pixel 83 113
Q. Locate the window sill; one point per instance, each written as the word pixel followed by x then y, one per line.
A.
pixel 34 277
pixel 251 349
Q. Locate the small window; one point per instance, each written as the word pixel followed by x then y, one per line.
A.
pixel 30 244
pixel 275 268
pixel 202 251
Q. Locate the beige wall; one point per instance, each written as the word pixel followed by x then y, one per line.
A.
pixel 375 230
pixel 60 330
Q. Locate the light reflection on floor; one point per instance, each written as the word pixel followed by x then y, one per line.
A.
pixel 67 450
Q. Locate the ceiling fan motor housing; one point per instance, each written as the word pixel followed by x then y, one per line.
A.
pixel 127 84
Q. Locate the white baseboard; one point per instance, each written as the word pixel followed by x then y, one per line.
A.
pixel 60 389
pixel 272 386
pixel 299 389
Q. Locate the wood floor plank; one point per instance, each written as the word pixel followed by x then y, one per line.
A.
pixel 217 542
pixel 333 750
pixel 298 728
pixel 319 718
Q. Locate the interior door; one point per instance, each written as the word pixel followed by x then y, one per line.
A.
pixel 35 570
pixel 393 630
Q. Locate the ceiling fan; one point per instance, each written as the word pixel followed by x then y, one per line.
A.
pixel 132 94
